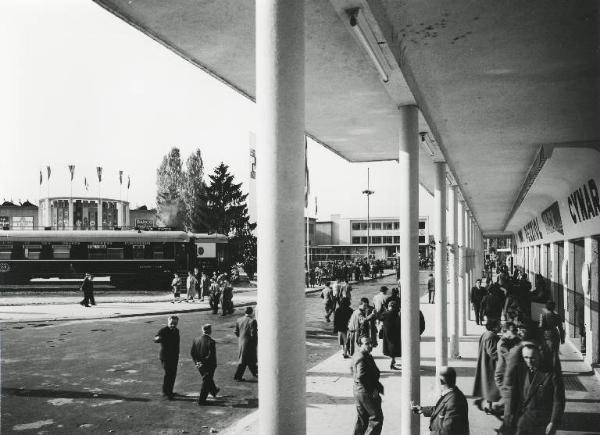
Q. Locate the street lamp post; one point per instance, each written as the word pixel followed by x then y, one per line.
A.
pixel 368 192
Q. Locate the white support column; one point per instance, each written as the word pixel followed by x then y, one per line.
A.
pixel 70 224
pixel 553 272
pixel 48 216
pixel 280 184
pixel 99 214
pixel 120 213
pixel 462 266
pixel 441 282
pixel 590 292
pixel 408 174
pixel 567 281
pixel 453 272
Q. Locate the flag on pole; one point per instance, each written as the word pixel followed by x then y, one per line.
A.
pixel 72 171
pixel 41 178
pixel 128 182
pixel 316 208
pixel 120 177
pixel 306 176
pixel 85 183
pixel 99 171
pixel 49 171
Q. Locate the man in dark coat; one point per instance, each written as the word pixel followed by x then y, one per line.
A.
pixel 329 299
pixel 450 415
pixel 535 396
pixel 476 296
pixel 485 386
pixel 492 303
pixel 204 355
pixel 247 332
pixel 168 337
pixel 87 286
pixel 214 295
pixel 391 333
pixel 341 316
pixel 367 391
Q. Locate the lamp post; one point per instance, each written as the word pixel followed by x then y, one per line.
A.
pixel 368 192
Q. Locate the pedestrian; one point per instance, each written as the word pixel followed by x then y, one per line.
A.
pixel 204 286
pixel 508 340
pixel 361 324
pixel 198 288
pixel 476 296
pixel 168 337
pixel 391 333
pixel 246 330
pixel 485 387
pixel 395 296
pixel 190 286
pixel 367 391
pixel 553 333
pixel 492 304
pixel 535 399
pixel 204 355
pixel 450 415
pixel 380 300
pixel 329 300
pixel 87 287
pixel 341 316
pixel 214 295
pixel 175 287
pixel 347 291
pixel 227 298
pixel 431 288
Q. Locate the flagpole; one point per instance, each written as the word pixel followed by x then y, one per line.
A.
pixel 307 241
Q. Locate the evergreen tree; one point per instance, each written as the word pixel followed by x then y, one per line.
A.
pixel 194 194
pixel 227 214
pixel 169 182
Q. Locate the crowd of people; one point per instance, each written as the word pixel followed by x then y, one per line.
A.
pixel 203 354
pixel 217 289
pixel 356 270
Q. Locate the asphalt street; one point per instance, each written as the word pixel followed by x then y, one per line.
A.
pixel 104 376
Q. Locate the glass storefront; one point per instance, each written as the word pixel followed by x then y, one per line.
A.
pixel 85 215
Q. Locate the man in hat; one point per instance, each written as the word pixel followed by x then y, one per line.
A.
pixel 247 332
pixel 204 355
pixel 367 390
pixel 87 286
pixel 168 337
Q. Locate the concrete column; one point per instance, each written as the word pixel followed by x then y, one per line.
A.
pixel 48 217
pixel 441 282
pixel 553 272
pixel 71 225
pixel 590 291
pixel 462 264
pixel 126 217
pixel 408 174
pixel 280 182
pixel 568 282
pixel 120 213
pixel 99 214
pixel 453 272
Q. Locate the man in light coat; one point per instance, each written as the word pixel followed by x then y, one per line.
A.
pixel 247 332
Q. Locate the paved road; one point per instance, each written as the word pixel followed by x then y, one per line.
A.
pixel 104 375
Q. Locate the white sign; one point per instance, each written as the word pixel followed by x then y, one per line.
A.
pixel 22 223
pixel 206 250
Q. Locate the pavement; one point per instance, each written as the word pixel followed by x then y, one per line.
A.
pixel 330 405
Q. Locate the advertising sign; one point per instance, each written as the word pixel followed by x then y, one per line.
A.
pixel 22 222
pixel 144 223
pixel 4 223
pixel 206 250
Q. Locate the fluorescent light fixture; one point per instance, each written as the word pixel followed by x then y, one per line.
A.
pixel 425 143
pixel 367 38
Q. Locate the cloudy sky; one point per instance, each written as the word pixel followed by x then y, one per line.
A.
pixel 81 87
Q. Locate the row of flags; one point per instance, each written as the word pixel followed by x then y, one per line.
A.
pixel 85 183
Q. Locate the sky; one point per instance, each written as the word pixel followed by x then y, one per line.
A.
pixel 79 86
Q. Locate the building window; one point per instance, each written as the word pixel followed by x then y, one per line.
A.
pixel 421 239
pixel 388 239
pixel 396 240
pixel 363 225
pixel 421 225
pixel 388 225
pixel 356 240
pixel 356 226
pixel 363 240
pixel 376 240
pixel 396 225
pixel 376 225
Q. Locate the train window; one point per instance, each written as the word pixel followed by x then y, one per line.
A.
pixel 115 253
pixel 33 252
pixel 97 252
pixel 137 252
pixel 61 252
pixel 5 252
pixel 79 251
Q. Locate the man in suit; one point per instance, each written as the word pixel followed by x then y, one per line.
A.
pixel 204 355
pixel 168 337
pixel 450 415
pixel 367 391
pixel 534 397
pixel 431 288
pixel 247 331
pixel 87 286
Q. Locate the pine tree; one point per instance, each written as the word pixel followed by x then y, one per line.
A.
pixel 194 194
pixel 169 182
pixel 227 214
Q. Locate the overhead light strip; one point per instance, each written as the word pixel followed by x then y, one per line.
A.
pixel 367 38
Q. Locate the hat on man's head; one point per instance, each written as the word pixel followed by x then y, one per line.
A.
pixel 207 327
pixel 249 310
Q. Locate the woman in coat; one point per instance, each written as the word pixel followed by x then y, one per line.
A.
pixel 485 384
pixel 390 333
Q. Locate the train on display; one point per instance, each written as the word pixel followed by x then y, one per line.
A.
pixel 128 259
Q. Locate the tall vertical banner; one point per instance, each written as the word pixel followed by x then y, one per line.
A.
pixel 99 172
pixel 72 171
pixel 306 175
